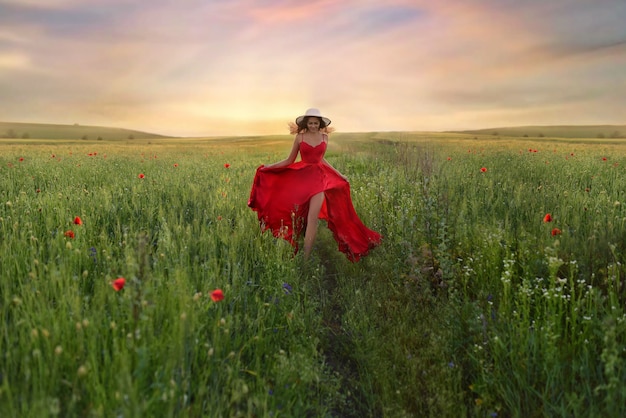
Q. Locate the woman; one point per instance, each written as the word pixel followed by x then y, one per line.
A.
pixel 291 196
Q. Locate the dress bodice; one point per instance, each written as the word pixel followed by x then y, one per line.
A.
pixel 312 154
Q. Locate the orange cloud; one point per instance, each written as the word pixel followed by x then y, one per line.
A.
pixel 281 11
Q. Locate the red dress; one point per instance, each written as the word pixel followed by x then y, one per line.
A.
pixel 280 196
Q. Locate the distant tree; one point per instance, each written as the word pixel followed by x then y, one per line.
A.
pixel 600 135
pixel 525 135
pixel 99 138
pixel 25 135
pixel 540 135
pixel 495 134
pixel 615 134
pixel 11 134
pixel 84 137
pixel 131 136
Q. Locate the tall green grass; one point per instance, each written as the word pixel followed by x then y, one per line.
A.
pixel 471 307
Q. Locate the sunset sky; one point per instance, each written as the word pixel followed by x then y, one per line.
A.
pixel 243 67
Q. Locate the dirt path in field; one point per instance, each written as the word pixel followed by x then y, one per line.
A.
pixel 338 344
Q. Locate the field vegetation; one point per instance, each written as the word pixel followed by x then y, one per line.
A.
pixel 135 282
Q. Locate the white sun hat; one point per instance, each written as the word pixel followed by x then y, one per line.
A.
pixel 312 112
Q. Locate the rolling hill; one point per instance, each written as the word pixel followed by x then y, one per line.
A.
pixel 76 131
pixel 16 130
pixel 555 131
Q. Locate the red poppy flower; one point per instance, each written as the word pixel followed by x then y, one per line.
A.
pixel 226 165
pixel 69 234
pixel 603 159
pixel 21 159
pixel 118 284
pixel 176 165
pixel 217 295
pixel 555 232
pixel 141 175
pixel 78 221
pixel 483 169
pixel 547 218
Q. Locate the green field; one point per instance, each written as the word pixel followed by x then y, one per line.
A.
pixel 473 306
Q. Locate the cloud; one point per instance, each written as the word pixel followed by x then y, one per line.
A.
pixel 14 61
pixel 288 11
pixel 38 4
pixel 253 65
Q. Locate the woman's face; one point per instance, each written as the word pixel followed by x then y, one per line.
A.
pixel 313 124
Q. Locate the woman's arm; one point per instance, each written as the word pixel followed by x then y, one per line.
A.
pixel 290 159
pixel 334 169
pixel 325 138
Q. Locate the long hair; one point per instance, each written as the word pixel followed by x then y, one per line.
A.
pixel 295 128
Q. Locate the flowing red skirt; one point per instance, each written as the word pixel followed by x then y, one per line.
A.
pixel 280 196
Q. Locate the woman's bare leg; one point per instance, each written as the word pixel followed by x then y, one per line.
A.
pixel 315 205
